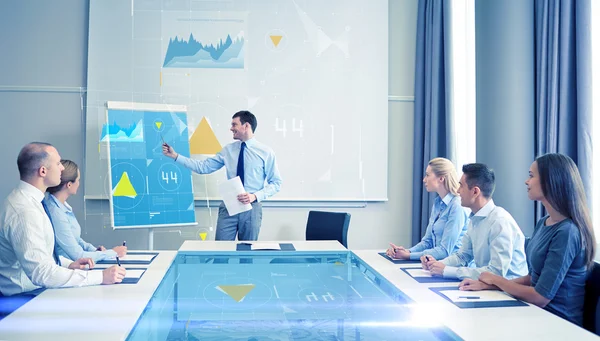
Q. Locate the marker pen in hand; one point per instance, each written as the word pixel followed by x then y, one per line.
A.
pixel 118 262
pixel 427 258
pixel 124 243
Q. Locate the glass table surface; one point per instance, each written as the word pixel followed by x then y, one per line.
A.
pixel 274 295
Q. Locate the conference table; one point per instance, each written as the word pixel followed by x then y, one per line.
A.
pixel 307 290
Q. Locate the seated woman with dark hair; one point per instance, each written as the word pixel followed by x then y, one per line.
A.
pixel 561 250
pixel 66 228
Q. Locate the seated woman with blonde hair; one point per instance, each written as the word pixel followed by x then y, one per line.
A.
pixel 66 227
pixel 448 220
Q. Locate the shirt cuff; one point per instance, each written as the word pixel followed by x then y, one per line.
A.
pixel 450 272
pixel 64 261
pixel 110 254
pixel 415 255
pixel 95 277
pixel 179 159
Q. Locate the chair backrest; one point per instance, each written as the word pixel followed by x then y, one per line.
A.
pixel 591 309
pixel 328 226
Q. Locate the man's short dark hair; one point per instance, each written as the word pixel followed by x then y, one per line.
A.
pixel 247 117
pixel 31 157
pixel 482 176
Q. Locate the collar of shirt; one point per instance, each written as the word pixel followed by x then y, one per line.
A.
pixel 448 198
pixel 31 191
pixel 249 143
pixel 443 203
pixel 483 212
pixel 65 207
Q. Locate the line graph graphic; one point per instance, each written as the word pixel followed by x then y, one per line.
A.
pixel 191 53
pixel 116 133
pixel 207 40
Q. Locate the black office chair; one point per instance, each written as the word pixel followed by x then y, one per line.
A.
pixel 322 226
pixel 328 226
pixel 591 308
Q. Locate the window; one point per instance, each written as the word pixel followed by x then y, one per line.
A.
pixel 463 64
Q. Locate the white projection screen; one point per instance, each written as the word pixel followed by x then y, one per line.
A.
pixel 314 72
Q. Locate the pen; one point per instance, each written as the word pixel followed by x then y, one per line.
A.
pixel 470 297
pixel 427 258
pixel 124 243
pixel 118 262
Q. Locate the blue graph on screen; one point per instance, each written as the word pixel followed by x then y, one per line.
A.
pixel 192 53
pixel 131 133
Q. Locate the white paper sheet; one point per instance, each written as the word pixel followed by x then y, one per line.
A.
pixel 130 273
pixel 126 266
pixel 477 296
pixel 134 257
pixel 134 273
pixel 265 246
pixel 419 273
pixel 145 258
pixel 229 191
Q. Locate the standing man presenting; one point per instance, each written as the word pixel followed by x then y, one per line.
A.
pixel 256 166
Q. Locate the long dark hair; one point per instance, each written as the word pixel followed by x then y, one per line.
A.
pixel 563 189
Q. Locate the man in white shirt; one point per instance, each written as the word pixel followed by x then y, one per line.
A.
pixel 27 258
pixel 494 241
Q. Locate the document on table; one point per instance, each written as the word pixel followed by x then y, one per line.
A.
pixel 134 257
pixel 134 273
pixel 126 266
pixel 265 246
pixel 477 296
pixel 131 273
pixel 229 191
pixel 145 258
pixel 418 273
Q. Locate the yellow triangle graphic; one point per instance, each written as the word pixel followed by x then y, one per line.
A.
pixel 276 40
pixel 237 292
pixel 158 124
pixel 124 187
pixel 204 140
pixel 203 235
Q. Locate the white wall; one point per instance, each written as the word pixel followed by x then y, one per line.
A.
pixel 377 224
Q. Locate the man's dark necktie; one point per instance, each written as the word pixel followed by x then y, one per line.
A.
pixel 54 254
pixel 240 165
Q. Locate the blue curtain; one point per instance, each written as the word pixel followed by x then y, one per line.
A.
pixel 433 114
pixel 563 113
